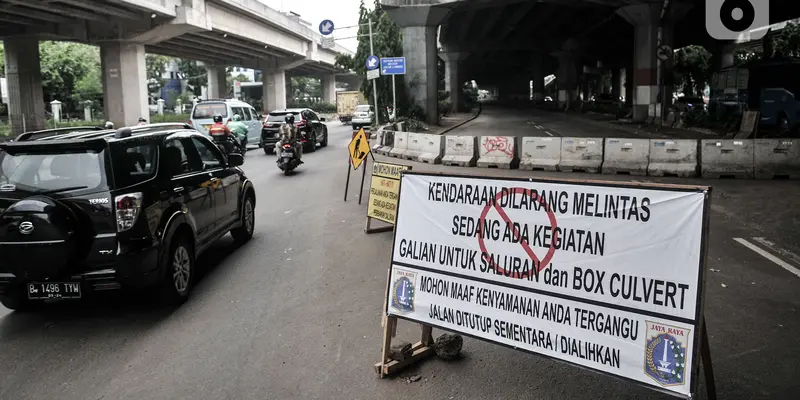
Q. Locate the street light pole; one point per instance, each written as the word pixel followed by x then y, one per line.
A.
pixel 374 81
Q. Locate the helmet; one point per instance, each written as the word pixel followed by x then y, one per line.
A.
pixel 289 119
pixel 217 117
pixel 237 117
pixel 141 119
pixel 108 125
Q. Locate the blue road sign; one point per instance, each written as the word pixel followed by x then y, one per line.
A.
pixel 393 66
pixel 326 27
pixel 372 62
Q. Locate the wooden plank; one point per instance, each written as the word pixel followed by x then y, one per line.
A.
pixel 420 352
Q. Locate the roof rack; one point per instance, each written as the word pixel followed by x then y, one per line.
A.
pixel 132 130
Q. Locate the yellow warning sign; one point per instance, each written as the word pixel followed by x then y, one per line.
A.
pixel 359 148
pixel 384 191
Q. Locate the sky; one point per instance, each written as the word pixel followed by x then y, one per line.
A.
pixel 342 12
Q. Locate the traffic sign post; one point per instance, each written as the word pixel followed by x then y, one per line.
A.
pixel 359 150
pixel 393 66
pixel 326 27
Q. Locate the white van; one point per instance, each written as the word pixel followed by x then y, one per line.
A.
pixel 202 116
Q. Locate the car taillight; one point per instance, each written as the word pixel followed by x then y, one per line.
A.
pixel 301 124
pixel 128 207
pixel 287 146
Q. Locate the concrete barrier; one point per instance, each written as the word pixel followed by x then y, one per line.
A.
pixel 460 151
pixel 432 149
pixel 415 146
pixel 581 154
pixel 777 158
pixel 399 145
pixel 726 158
pixel 540 153
pixel 673 158
pixel 385 144
pixel 377 139
pixel 498 152
pixel 626 156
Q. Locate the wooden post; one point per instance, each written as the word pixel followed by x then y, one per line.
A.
pixel 347 182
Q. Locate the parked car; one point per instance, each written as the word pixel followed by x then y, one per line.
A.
pixel 363 117
pixel 114 210
pixel 202 116
pixel 312 128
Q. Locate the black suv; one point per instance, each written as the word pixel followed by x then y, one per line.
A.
pixel 312 127
pixel 111 210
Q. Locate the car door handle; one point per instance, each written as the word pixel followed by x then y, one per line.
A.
pixel 178 189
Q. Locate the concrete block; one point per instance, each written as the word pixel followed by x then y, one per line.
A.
pixel 581 154
pixel 377 139
pixel 460 151
pixel 498 152
pixel 540 153
pixel 777 158
pixel 386 143
pixel 415 146
pixel 432 149
pixel 726 158
pixel 400 144
pixel 626 156
pixel 673 158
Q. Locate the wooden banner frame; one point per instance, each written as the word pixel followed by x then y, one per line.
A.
pixel 424 347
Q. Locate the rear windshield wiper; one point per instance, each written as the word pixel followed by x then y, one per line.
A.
pixel 66 189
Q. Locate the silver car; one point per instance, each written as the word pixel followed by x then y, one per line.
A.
pixel 364 116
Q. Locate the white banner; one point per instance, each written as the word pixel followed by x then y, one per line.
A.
pixel 601 275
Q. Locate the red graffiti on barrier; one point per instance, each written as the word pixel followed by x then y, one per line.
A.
pixel 498 143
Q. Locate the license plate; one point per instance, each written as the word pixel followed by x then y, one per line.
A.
pixel 54 290
pixel 287 154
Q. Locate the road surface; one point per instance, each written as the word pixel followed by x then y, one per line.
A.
pixel 295 313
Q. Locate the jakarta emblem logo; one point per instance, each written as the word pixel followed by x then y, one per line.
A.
pixel 403 291
pixel 665 353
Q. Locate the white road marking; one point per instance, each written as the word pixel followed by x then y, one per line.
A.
pixel 768 256
pixel 550 134
pixel 539 127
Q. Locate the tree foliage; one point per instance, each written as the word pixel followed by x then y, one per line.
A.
pixel 304 88
pixel 63 66
pixel 344 61
pixel 155 65
pixel 786 42
pixel 692 69
pixel 194 73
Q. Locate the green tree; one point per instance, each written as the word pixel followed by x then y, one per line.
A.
pixel 344 61
pixel 194 73
pixel 2 60
pixel 786 42
pixel 237 78
pixel 63 65
pixel 155 65
pixel 692 69
pixel 304 87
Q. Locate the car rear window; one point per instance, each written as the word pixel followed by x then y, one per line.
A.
pixel 63 171
pixel 133 163
pixel 280 116
pixel 363 108
pixel 207 110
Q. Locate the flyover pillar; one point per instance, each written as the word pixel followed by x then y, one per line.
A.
pixel 453 78
pixel 419 25
pixel 645 19
pixel 124 82
pixel 217 82
pixel 274 89
pixel 567 75
pixel 329 88
pixel 616 83
pixel 538 77
pixel 24 80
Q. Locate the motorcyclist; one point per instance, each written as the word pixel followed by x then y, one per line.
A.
pixel 142 121
pixel 108 125
pixel 219 132
pixel 238 128
pixel 289 134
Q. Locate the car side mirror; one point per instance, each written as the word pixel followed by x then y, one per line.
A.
pixel 322 119
pixel 235 159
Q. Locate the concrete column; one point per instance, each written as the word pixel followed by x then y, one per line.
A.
pixel 538 77
pixel 616 83
pixel 124 82
pixel 217 82
pixel 628 85
pixel 566 78
pixel 329 89
pixel 274 89
pixel 453 78
pixel 24 80
pixel 645 19
pixel 419 48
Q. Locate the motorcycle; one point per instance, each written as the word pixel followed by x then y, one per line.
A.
pixel 288 160
pixel 227 144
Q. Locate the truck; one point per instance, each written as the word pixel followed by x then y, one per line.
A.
pixel 346 103
pixel 770 86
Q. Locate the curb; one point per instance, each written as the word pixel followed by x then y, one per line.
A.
pixel 460 124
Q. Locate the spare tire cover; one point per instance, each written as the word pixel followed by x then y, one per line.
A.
pixel 37 238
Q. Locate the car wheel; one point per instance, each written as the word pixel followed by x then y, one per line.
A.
pixel 244 233
pixel 312 144
pixel 16 301
pixel 324 142
pixel 178 271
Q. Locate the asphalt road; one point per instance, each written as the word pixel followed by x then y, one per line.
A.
pixel 295 313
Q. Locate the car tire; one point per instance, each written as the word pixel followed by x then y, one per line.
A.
pixel 312 143
pixel 324 142
pixel 244 233
pixel 17 301
pixel 179 259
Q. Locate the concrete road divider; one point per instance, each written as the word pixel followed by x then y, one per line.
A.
pixel 460 151
pixel 399 145
pixel 777 158
pixel 432 149
pixel 498 152
pixel 673 158
pixel 415 146
pixel 540 153
pixel 626 156
pixel 726 158
pixel 581 154
pixel 377 140
pixel 386 143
